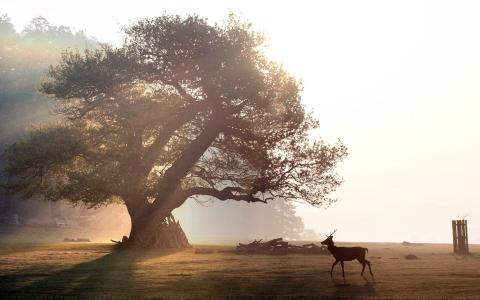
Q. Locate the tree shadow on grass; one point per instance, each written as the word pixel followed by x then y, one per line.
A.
pixel 292 284
pixel 128 275
pixel 110 276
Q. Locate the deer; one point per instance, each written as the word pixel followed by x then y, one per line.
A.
pixel 342 254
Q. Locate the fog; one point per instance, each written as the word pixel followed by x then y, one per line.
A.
pixel 396 81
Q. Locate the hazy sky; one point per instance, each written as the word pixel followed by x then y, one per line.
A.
pixel 397 81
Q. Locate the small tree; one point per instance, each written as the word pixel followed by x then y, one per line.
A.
pixel 183 109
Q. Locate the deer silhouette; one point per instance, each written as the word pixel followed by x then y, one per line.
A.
pixel 342 254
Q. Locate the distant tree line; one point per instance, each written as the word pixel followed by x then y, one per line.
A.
pixel 24 58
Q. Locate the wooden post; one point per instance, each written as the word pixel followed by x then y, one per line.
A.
pixel 454 231
pixel 460 236
pixel 466 237
pixel 461 245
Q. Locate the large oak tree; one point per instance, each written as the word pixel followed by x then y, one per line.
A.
pixel 183 109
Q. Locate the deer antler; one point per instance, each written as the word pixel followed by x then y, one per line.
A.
pixel 330 233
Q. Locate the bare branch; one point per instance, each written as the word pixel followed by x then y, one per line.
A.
pixel 228 193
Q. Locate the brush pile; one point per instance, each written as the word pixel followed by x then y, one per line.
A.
pixel 279 246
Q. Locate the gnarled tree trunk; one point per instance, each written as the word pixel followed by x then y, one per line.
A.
pixel 155 229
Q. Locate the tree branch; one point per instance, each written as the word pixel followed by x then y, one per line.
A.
pixel 168 131
pixel 184 163
pixel 228 193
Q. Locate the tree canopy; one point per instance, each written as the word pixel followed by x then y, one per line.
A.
pixel 184 108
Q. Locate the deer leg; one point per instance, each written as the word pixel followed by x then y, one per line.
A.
pixel 333 266
pixel 363 265
pixel 369 268
pixel 343 271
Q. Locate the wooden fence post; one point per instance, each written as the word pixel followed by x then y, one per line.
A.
pixel 466 237
pixel 461 240
pixel 454 230
pixel 460 236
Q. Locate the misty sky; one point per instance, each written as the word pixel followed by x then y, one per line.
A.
pixel 397 81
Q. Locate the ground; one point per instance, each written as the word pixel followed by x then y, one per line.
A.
pixel 95 271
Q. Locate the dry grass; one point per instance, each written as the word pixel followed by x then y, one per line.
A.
pixel 93 271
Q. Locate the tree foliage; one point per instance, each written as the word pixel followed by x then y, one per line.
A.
pixel 184 108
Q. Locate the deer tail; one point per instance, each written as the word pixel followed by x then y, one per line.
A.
pixel 366 250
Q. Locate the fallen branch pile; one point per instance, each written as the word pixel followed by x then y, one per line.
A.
pixel 279 246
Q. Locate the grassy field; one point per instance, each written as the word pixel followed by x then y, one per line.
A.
pixel 94 271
